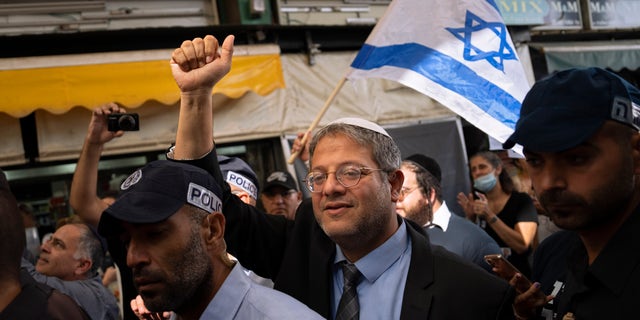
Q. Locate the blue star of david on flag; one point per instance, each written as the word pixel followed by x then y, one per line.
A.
pixel 467 62
pixel 474 24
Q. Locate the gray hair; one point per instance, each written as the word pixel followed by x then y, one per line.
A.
pixel 385 151
pixel 89 247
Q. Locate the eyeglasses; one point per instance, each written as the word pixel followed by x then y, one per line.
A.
pixel 406 191
pixel 348 176
pixel 284 194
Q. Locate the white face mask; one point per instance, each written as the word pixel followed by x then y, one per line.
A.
pixel 485 183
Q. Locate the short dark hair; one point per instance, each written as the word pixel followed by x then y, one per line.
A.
pixel 196 215
pixel 425 179
pixel 385 151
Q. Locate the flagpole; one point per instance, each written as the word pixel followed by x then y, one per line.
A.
pixel 315 122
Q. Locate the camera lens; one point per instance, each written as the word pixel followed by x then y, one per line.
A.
pixel 127 122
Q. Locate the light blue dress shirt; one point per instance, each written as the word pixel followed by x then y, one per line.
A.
pixel 384 271
pixel 241 298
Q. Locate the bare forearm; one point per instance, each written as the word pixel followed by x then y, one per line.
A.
pixel 83 198
pixel 513 238
pixel 197 66
pixel 195 126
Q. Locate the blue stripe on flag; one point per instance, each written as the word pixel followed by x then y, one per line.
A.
pixel 494 5
pixel 445 71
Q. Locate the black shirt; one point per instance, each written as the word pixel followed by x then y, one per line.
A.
pixel 519 208
pixel 609 288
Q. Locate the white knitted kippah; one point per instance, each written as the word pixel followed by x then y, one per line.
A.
pixel 362 124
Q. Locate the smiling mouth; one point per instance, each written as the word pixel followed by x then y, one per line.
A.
pixel 336 209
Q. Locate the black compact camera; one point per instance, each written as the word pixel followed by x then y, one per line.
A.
pixel 123 121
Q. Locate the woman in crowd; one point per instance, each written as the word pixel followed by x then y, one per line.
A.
pixel 508 216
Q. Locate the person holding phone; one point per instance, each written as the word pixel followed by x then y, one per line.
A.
pixel 580 135
pixel 508 216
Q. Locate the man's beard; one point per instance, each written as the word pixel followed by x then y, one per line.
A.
pixel 603 204
pixel 190 279
pixel 420 214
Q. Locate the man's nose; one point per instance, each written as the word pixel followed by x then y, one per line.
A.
pixel 46 247
pixel 332 185
pixel 550 177
pixel 136 255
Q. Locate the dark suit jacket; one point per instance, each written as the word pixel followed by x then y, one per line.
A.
pixel 298 256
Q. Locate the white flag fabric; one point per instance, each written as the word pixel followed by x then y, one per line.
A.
pixel 457 52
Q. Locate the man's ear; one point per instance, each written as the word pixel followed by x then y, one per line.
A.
pixel 396 179
pixel 214 228
pixel 244 196
pixel 84 265
pixel 432 196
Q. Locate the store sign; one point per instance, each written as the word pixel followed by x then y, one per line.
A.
pixel 608 14
pixel 547 14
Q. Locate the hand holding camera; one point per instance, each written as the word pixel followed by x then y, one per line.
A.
pixel 123 122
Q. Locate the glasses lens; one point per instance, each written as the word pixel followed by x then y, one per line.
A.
pixel 315 180
pixel 406 191
pixel 348 176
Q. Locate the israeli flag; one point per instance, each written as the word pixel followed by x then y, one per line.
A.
pixel 457 52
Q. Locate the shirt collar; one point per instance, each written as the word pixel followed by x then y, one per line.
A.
pixel 230 295
pixel 441 217
pixel 380 259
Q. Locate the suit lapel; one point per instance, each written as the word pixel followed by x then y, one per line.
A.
pixel 321 256
pixel 417 299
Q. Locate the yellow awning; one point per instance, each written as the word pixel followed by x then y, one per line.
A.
pixel 59 83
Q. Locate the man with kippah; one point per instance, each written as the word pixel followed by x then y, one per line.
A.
pixel 579 133
pixel 421 201
pixel 168 226
pixel 347 254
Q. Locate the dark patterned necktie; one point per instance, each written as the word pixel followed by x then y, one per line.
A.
pixel 349 308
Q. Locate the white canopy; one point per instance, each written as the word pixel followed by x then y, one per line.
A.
pixel 252 116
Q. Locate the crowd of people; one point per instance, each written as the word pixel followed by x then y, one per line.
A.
pixel 375 240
